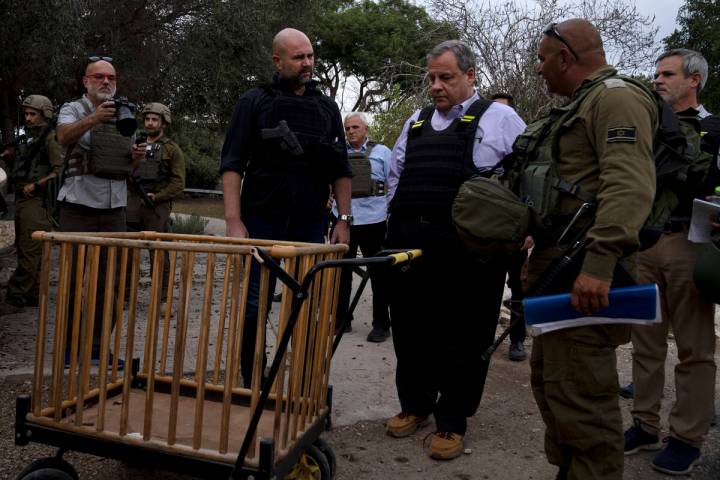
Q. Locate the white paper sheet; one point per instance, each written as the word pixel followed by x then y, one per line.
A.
pixel 700 227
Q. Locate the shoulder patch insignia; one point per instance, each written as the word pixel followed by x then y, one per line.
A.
pixel 614 83
pixel 621 134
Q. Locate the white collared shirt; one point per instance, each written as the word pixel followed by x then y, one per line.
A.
pixel 495 135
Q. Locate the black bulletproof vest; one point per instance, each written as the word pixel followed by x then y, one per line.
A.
pixel 436 164
pixel 306 119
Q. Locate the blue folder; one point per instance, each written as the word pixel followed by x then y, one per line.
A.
pixel 639 304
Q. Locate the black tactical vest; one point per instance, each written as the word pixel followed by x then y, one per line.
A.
pixel 436 164
pixel 153 168
pixel 363 184
pixel 309 122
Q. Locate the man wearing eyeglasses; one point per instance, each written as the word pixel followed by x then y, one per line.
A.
pixel 601 146
pixel 445 307
pixel 286 176
pixel 91 201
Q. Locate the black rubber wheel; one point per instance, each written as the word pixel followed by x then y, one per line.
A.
pixel 312 465
pixel 48 469
pixel 327 450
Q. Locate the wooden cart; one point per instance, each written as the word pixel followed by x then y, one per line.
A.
pixel 179 403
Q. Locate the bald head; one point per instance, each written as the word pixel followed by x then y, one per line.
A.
pixel 100 81
pixel 288 37
pixel 584 39
pixel 293 58
pixel 568 53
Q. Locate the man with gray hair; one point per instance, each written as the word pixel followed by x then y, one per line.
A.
pixel 370 162
pixel 444 307
pixel 679 77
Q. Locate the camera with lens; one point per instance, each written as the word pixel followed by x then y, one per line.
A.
pixel 125 121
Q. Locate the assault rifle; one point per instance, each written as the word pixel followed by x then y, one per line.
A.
pixel 136 183
pixel 558 270
pixel 288 140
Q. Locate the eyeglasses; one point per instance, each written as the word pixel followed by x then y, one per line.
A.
pixel 551 30
pixel 101 77
pixel 95 58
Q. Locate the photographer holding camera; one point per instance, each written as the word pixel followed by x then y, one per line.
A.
pixel 96 134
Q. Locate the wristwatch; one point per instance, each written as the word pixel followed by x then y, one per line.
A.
pixel 346 218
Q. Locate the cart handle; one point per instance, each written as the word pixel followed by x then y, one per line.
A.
pixel 404 257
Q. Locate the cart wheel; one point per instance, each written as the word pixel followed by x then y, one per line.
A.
pixel 327 450
pixel 312 465
pixel 48 469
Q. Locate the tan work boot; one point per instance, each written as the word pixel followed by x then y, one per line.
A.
pixel 446 445
pixel 404 424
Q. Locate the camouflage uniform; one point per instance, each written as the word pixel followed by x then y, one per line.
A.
pixel 605 148
pixel 30 211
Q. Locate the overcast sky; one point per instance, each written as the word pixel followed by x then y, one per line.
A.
pixel 665 12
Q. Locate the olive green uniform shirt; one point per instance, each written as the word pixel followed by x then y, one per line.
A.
pixel 607 150
pixel 172 173
pixel 50 153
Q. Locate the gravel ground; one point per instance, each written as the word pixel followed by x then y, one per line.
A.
pixel 504 442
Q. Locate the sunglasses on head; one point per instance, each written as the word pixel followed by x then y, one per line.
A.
pixel 95 58
pixel 551 30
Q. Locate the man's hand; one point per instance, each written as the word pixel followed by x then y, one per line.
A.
pixel 527 244
pixel 341 233
pixel 236 229
pixel 29 190
pixel 138 153
pixel 104 112
pixel 589 294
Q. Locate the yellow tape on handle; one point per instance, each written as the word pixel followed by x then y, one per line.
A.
pixel 404 257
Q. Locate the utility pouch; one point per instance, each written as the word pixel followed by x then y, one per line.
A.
pixel 110 153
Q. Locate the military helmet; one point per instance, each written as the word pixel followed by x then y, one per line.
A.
pixel 40 103
pixel 157 109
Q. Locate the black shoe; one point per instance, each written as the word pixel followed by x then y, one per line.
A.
pixel 677 458
pixel 277 297
pixel 378 335
pixel 637 439
pixel 517 352
pixel 628 391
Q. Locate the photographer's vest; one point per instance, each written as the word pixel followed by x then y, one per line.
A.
pixel 363 184
pixel 109 155
pixel 32 161
pixel 309 122
pixel 436 164
pixel 154 168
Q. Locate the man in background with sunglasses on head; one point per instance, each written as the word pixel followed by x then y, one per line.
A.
pixel 601 146
pixel 93 195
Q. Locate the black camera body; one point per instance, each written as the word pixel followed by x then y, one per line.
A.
pixel 125 121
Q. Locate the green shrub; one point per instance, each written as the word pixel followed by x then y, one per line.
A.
pixel 189 224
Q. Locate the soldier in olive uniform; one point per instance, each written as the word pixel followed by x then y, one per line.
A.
pixel 158 180
pixel 601 143
pixel 161 175
pixel 37 161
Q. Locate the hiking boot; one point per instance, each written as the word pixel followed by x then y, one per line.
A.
pixel 404 424
pixel 677 458
pixel 628 391
pixel 517 352
pixel 446 445
pixel 637 439
pixel 378 335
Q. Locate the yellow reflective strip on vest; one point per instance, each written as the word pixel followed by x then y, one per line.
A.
pixel 418 123
pixel 467 118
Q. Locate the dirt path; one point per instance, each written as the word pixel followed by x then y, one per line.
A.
pixel 504 442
